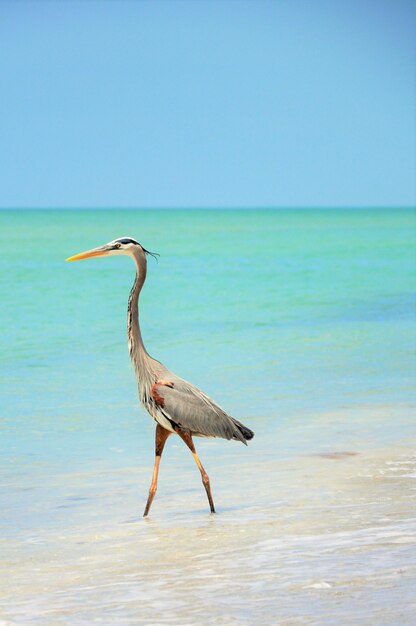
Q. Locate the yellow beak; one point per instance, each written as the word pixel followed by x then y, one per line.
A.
pixel 88 254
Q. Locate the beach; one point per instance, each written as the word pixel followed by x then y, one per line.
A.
pixel 301 324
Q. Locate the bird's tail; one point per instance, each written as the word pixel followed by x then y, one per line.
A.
pixel 246 432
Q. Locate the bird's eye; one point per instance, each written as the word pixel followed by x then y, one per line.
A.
pixel 117 245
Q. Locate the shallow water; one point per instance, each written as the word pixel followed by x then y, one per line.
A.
pixel 301 324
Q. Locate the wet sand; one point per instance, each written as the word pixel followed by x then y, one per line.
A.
pixel 319 537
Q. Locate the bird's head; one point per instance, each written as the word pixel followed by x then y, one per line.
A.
pixel 123 245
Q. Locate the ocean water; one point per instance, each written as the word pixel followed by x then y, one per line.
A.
pixel 302 324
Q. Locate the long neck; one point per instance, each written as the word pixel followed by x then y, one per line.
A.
pixel 142 361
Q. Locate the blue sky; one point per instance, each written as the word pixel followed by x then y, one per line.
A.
pixel 194 103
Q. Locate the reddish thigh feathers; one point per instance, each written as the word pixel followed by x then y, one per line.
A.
pixel 154 393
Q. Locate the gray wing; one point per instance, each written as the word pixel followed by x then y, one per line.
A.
pixel 189 408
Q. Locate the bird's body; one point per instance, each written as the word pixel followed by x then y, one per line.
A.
pixel 175 404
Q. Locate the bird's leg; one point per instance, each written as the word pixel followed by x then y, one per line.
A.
pixel 187 437
pixel 160 439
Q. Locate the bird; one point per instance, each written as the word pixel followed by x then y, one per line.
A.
pixel 176 405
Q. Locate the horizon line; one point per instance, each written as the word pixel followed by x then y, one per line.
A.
pixel 211 208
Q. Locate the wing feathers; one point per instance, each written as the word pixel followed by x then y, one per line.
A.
pixel 190 409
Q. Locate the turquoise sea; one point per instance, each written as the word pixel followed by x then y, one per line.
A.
pixel 301 323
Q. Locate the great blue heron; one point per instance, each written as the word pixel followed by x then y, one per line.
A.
pixel 176 405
